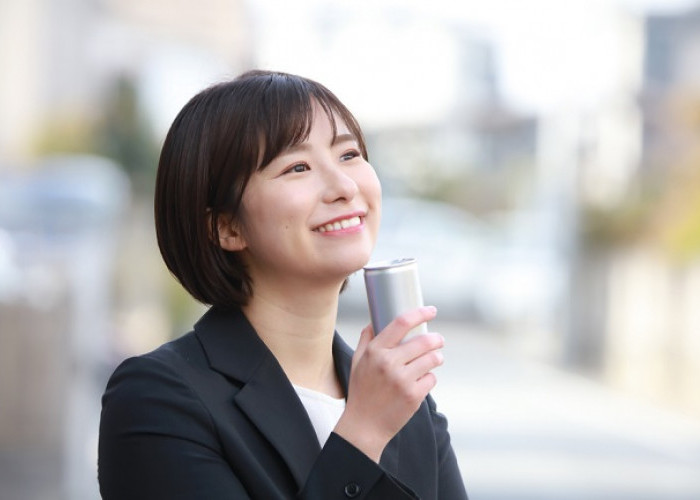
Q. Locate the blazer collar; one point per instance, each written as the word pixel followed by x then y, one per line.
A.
pixel 267 397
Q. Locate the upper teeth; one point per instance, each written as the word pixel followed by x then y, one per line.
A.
pixel 341 224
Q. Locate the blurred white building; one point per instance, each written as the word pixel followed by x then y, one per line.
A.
pixel 60 220
pixel 60 57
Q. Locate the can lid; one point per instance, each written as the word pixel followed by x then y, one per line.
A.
pixel 386 264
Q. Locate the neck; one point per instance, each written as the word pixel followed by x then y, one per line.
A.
pixel 298 328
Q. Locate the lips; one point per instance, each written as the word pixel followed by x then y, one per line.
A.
pixel 340 224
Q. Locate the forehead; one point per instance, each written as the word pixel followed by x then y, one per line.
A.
pixel 327 121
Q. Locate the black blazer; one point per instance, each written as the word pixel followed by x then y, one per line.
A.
pixel 212 416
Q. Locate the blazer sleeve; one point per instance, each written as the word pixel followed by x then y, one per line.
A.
pixel 158 441
pixel 342 471
pixel 450 481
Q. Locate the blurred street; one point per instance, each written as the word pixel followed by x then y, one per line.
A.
pixel 524 430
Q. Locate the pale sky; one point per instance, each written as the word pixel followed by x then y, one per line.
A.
pixel 395 61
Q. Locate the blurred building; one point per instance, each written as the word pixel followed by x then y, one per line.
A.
pixel 60 227
pixel 64 55
pixel 61 218
pixel 636 281
pixel 657 352
pixel 671 93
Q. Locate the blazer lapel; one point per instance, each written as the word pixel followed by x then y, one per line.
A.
pixel 342 357
pixel 234 349
pixel 266 396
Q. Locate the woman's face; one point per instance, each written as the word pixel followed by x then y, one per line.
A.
pixel 313 213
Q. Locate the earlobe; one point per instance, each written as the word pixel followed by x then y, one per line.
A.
pixel 230 237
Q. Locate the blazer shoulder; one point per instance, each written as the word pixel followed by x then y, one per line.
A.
pixel 186 348
pixel 163 371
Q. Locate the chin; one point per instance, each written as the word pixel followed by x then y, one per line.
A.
pixel 352 263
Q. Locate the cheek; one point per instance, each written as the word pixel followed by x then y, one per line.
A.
pixel 372 190
pixel 371 186
pixel 273 214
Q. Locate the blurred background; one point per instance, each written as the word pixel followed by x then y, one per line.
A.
pixel 540 158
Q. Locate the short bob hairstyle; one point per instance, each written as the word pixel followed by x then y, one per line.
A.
pixel 219 139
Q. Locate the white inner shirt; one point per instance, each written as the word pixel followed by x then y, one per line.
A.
pixel 324 411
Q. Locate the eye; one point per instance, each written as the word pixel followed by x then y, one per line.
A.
pixel 349 155
pixel 297 168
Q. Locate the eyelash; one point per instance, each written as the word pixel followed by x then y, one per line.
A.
pixel 347 156
pixel 352 154
pixel 292 169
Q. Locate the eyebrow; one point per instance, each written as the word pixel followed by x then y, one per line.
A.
pixel 338 139
pixel 343 138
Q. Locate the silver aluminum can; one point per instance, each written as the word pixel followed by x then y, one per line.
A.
pixel 393 288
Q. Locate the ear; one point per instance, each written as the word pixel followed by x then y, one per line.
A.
pixel 230 237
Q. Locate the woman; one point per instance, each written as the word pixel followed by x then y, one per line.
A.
pixel 264 205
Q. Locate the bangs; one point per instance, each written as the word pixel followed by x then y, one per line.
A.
pixel 286 117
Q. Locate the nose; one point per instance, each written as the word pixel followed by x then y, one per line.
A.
pixel 339 186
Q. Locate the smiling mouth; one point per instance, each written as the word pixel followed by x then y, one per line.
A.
pixel 340 224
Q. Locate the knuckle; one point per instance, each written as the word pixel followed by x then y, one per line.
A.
pixel 416 396
pixel 403 322
pixel 427 342
pixel 385 372
pixel 433 340
pixel 436 357
pixel 373 353
pixel 408 395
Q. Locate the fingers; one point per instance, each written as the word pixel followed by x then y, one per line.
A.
pixel 388 380
pixel 400 326
pixel 419 345
pixel 422 365
pixel 426 383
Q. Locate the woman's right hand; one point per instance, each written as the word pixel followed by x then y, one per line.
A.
pixel 388 381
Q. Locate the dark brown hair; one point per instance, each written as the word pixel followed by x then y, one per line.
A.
pixel 217 141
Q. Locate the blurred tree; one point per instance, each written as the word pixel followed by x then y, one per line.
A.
pixel 119 131
pixel 676 222
pixel 124 134
pixel 66 134
pixel 664 209
pixel 620 225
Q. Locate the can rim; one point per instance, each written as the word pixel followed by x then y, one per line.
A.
pixel 389 263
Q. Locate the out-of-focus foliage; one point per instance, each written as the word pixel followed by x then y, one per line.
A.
pixel 664 208
pixel 676 223
pixel 124 134
pixel 66 134
pixel 607 228
pixel 119 131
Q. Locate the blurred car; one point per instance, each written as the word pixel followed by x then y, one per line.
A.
pixel 62 196
pixel 10 276
pixel 50 211
pixel 497 274
pixel 447 242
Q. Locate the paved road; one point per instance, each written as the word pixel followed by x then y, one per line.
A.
pixel 524 430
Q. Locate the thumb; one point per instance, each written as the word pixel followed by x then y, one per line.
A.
pixel 365 338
